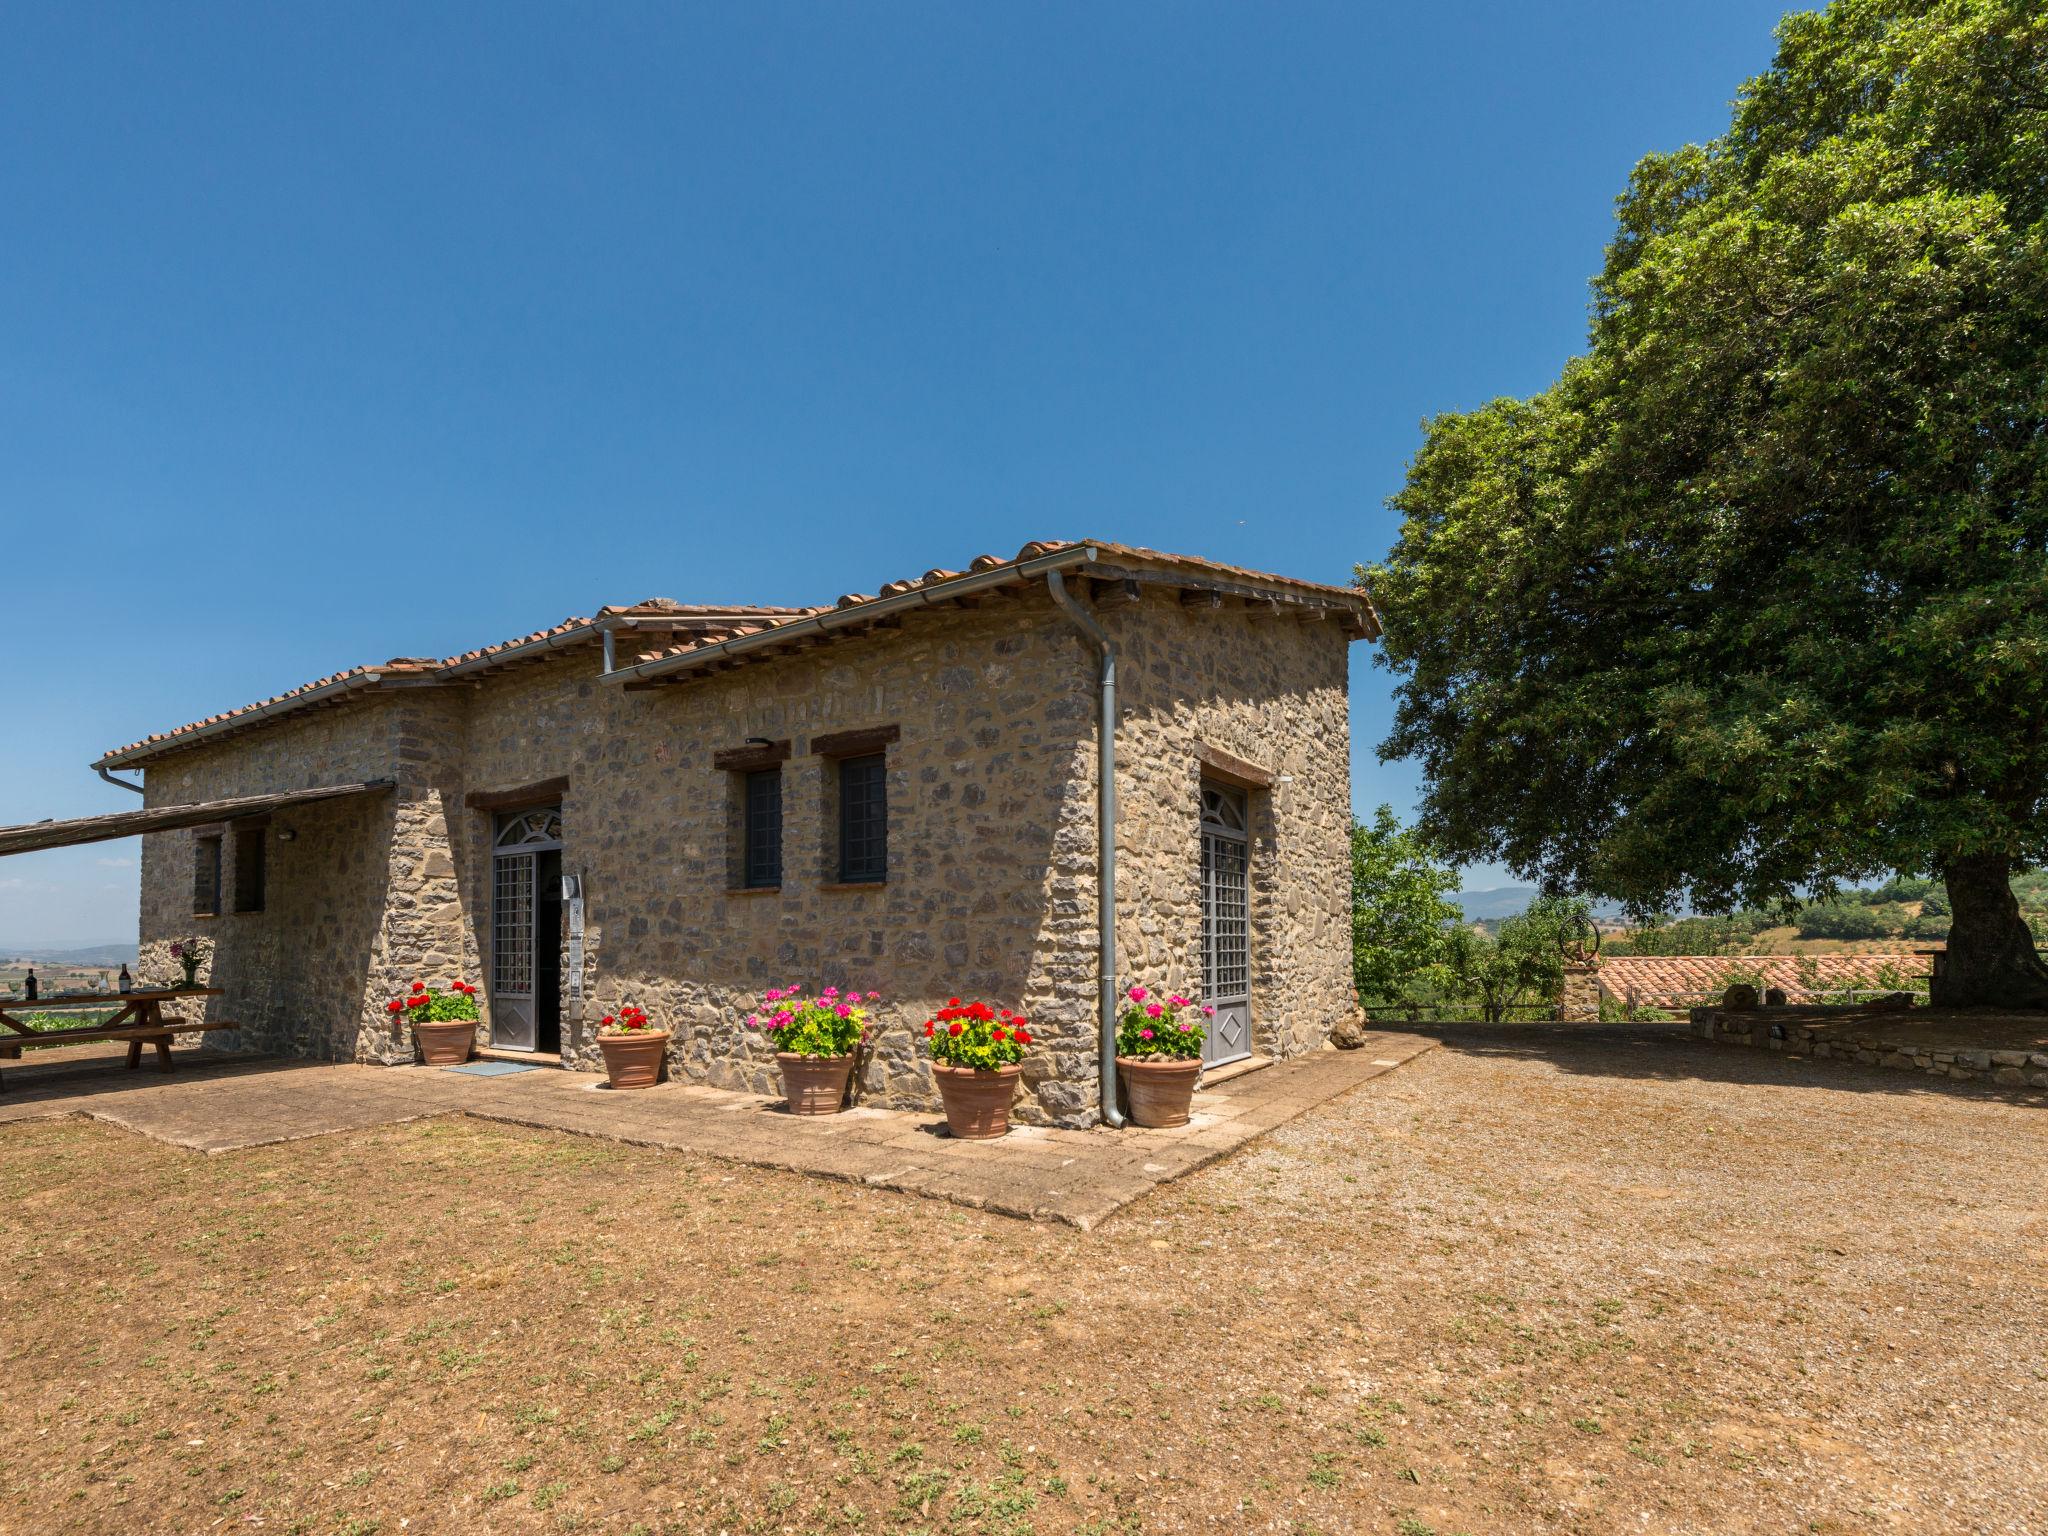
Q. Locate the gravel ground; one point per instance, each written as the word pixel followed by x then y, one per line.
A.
pixel 1535 1281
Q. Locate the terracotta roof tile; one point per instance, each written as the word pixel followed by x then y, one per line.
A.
pixel 749 619
pixel 1675 980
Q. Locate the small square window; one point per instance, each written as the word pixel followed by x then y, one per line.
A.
pixel 864 819
pixel 206 877
pixel 249 870
pixel 761 829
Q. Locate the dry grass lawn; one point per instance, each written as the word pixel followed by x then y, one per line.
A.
pixel 1521 1285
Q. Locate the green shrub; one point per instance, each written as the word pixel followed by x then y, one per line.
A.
pixel 1839 920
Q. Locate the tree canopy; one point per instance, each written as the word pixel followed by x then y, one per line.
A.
pixel 1754 598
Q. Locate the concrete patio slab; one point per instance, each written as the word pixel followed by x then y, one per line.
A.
pixel 217 1104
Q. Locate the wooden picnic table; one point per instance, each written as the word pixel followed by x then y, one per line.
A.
pixel 139 1016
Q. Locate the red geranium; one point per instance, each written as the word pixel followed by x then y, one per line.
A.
pixel 968 1035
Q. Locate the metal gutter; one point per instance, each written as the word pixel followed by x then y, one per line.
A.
pixel 1105 827
pixel 858 615
pixel 101 770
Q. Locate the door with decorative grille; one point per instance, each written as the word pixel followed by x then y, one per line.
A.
pixel 517 964
pixel 1226 924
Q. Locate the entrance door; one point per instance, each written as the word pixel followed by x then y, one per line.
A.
pixel 1226 924
pixel 526 906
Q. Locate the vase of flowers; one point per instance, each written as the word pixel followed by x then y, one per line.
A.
pixel 633 1048
pixel 816 1042
pixel 1159 1054
pixel 189 953
pixel 443 1023
pixel 977 1057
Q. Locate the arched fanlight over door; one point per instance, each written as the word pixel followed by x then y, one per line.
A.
pixel 537 828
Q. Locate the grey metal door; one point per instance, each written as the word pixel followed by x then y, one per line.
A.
pixel 1226 924
pixel 516 939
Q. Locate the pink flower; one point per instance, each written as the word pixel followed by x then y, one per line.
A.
pixel 753 1019
pixel 843 1011
pixel 1144 1034
pixel 1185 1028
pixel 1178 1001
pixel 783 1018
pixel 829 992
pixel 1138 994
pixel 1208 1013
pixel 1153 1010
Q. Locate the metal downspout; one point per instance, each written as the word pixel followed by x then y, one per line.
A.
pixel 1105 824
pixel 102 771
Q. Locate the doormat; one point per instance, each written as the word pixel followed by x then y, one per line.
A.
pixel 494 1068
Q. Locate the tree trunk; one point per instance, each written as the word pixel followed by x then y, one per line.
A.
pixel 1991 960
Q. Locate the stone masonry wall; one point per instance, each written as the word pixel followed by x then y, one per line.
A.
pixel 1784 1029
pixel 297 975
pixel 983 789
pixel 1273 692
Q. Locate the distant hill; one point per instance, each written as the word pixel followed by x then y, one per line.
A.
pixel 1501 901
pixel 89 954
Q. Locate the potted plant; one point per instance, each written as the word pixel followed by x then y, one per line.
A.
pixel 633 1048
pixel 977 1057
pixel 816 1042
pixel 443 1023
pixel 1159 1055
pixel 188 953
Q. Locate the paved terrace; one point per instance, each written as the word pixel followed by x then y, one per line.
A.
pixel 220 1104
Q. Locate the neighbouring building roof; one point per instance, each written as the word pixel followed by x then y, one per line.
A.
pixel 166 818
pixel 1657 981
pixel 687 637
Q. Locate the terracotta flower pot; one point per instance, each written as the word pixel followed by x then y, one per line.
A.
pixel 446 1043
pixel 977 1103
pixel 1159 1092
pixel 814 1085
pixel 634 1061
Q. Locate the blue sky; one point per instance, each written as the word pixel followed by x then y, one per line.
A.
pixel 329 334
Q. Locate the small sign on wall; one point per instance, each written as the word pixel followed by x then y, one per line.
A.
pixel 572 898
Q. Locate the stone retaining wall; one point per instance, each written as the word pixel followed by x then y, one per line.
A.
pixel 1799 1031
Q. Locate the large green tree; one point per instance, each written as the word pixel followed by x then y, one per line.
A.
pixel 1754 599
pixel 1401 925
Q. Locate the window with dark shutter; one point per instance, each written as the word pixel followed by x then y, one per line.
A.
pixel 863 819
pixel 763 829
pixel 206 877
pixel 249 871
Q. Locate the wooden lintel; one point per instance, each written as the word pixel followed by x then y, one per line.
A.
pixel 1200 597
pixel 1228 765
pixel 754 755
pixel 545 792
pixel 858 743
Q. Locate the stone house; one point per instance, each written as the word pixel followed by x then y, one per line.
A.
pixel 678 806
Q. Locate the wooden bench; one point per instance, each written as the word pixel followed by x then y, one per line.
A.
pixel 139 1020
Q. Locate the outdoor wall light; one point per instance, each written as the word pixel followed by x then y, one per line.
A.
pixel 285 834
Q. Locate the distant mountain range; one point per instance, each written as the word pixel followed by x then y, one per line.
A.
pixel 84 954
pixel 1501 901
pixel 1512 901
